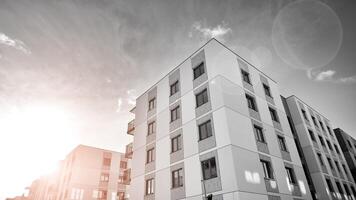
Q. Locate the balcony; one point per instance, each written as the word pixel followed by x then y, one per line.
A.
pixel 131 127
pixel 129 152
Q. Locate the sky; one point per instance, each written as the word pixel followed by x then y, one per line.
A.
pixel 70 69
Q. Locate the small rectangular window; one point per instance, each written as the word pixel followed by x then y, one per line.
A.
pixel 274 115
pixel 259 134
pixel 291 175
pixel 267 169
pixel 177 178
pixel 251 102
pixel 150 186
pixel 330 163
pixel 311 135
pixel 347 191
pixel 104 177
pixel 329 145
pixel 267 90
pixel 201 98
pixel 151 128
pixel 314 121
pixel 282 143
pixel 245 76
pixel 321 141
pixel 336 149
pixel 321 125
pixel 330 186
pixel 175 114
pixel 329 130
pixel 305 115
pixel 337 166
pixel 199 70
pixel 107 161
pixel 346 172
pixel 149 155
pixel 339 187
pixel 205 130
pixel 151 104
pixel 209 168
pixel 176 143
pixel 174 88
pixel 320 159
pixel 353 191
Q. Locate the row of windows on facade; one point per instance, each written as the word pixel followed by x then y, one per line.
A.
pixel 251 103
pixel 107 162
pixel 78 194
pixel 341 191
pixel 321 140
pixel 331 165
pixel 321 124
pixel 209 171
pixel 203 97
pixel 104 177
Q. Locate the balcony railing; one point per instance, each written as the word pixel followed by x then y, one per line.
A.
pixel 129 152
pixel 131 127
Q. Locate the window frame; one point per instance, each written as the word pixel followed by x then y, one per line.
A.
pixel 175 115
pixel 282 143
pixel 152 104
pixel 151 128
pixel 177 181
pixel 207 125
pixel 259 134
pixel 251 102
pixel 199 70
pixel 150 155
pixel 212 168
pixel 273 114
pixel 176 142
pixel 246 76
pixel 267 169
pixel 203 96
pixel 291 175
pixel 174 88
pixel 150 188
pixel 267 90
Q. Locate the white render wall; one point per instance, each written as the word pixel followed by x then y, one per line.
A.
pixel 238 159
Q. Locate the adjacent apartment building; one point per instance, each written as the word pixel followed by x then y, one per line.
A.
pixel 86 173
pixel 328 175
pixel 348 148
pixel 214 125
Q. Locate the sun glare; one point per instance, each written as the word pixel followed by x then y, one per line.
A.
pixel 33 140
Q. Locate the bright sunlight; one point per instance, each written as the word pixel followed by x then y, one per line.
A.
pixel 33 140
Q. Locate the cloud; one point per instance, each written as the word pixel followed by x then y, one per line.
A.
pixel 218 31
pixel 17 44
pixel 329 75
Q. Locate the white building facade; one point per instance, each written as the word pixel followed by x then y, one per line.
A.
pixel 214 125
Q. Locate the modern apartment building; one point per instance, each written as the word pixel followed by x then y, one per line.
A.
pixel 329 176
pixel 348 148
pixel 86 173
pixel 214 125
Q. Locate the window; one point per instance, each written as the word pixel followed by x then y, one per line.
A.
pixel 347 190
pixel 251 102
pixel 209 168
pixel 151 128
pixel 201 98
pixel 121 179
pixel 291 175
pixel 267 169
pixel 176 143
pixel 150 186
pixel 175 114
pixel 174 88
pixel 246 76
pixel 151 104
pixel 149 155
pixel 104 177
pixel 205 130
pixel 321 159
pixel 353 191
pixel 321 125
pixel 267 90
pixel 330 186
pixel 107 161
pixel 100 194
pixel 123 164
pixel 77 194
pixel 330 163
pixel 348 141
pixel 329 145
pixel 120 195
pixel 259 134
pixel 177 178
pixel 312 135
pixel 321 141
pixel 346 172
pixel 305 115
pixel 314 121
pixel 329 130
pixel 339 188
pixel 337 166
pixel 273 113
pixel 336 149
pixel 199 70
pixel 282 143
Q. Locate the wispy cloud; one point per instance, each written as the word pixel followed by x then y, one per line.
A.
pixel 329 76
pixel 15 43
pixel 218 31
